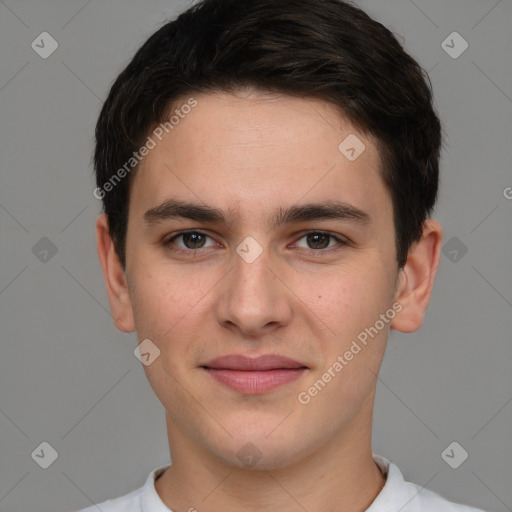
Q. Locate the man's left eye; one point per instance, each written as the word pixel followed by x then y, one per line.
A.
pixel 320 240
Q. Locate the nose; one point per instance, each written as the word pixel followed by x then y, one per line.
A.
pixel 253 299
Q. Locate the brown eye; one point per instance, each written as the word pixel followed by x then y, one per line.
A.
pixel 193 240
pixel 318 240
pixel 189 240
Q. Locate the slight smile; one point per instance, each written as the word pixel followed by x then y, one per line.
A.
pixel 254 375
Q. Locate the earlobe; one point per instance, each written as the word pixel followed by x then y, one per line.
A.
pixel 416 279
pixel 114 274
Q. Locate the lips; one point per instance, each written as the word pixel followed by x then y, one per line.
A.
pixel 260 363
pixel 254 375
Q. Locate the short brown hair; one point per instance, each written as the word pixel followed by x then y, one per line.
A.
pixel 323 49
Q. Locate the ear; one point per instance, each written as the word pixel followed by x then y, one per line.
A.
pixel 416 278
pixel 114 275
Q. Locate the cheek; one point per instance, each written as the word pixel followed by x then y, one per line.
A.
pixel 170 308
pixel 349 298
pixel 165 311
pixel 161 295
pixel 155 305
pixel 350 304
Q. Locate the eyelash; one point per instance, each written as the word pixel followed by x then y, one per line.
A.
pixel 170 245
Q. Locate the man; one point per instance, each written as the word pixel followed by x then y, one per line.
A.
pixel 267 171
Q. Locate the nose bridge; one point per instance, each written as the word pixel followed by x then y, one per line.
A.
pixel 253 298
pixel 253 275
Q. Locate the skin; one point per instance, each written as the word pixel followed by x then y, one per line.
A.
pixel 249 154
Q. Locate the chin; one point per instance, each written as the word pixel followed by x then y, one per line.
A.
pixel 258 453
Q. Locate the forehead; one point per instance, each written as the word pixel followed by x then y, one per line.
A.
pixel 251 151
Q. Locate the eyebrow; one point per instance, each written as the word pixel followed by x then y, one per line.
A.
pixel 337 210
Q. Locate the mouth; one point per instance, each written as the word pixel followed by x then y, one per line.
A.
pixel 254 375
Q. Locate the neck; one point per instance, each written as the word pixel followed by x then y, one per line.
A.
pixel 340 475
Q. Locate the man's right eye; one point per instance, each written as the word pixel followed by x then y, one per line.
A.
pixel 190 241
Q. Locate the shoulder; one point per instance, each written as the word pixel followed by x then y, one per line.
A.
pixel 399 494
pixel 423 500
pixel 144 498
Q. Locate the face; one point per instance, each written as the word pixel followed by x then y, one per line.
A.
pixel 252 233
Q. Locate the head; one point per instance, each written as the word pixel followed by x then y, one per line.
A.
pixel 299 132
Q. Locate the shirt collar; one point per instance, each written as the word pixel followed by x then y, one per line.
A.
pixel 150 500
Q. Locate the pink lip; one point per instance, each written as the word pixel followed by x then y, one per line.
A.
pixel 264 362
pixel 254 375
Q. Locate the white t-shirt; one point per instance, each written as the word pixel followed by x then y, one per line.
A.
pixel 396 495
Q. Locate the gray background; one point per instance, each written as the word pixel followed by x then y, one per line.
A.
pixel 69 378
